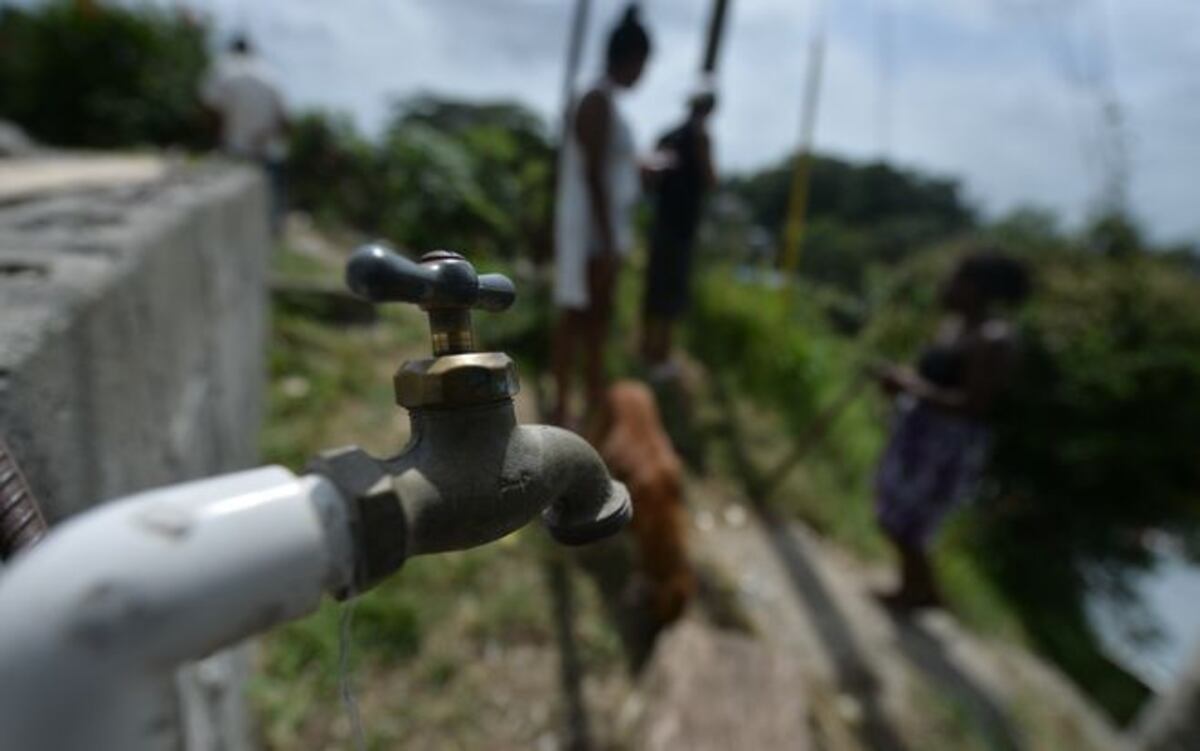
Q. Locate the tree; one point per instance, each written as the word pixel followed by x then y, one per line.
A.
pixel 103 75
pixel 858 215
pixel 447 173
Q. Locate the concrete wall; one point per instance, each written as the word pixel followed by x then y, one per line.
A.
pixel 132 325
pixel 133 319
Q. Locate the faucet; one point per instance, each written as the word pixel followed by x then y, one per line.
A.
pixel 102 611
pixel 470 474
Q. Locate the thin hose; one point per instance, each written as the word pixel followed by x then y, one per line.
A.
pixel 21 520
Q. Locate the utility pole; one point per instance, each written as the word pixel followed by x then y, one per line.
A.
pixel 579 24
pixel 793 237
pixel 575 39
pixel 716 32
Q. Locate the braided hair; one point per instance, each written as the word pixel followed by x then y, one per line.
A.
pixel 629 39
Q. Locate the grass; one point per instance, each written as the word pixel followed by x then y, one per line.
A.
pixel 944 722
pixel 491 595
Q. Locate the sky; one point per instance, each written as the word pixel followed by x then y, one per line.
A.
pixel 1008 96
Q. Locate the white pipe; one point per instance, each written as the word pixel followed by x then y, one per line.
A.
pixel 95 619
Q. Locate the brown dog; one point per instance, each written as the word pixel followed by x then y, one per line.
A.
pixel 639 453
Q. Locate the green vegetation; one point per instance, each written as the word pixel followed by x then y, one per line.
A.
pixel 445 174
pixel 858 215
pixel 784 357
pixel 84 74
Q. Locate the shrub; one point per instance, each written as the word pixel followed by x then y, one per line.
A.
pixel 783 356
pixel 858 215
pixel 103 76
pixel 474 178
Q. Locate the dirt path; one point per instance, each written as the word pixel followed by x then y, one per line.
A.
pixel 918 683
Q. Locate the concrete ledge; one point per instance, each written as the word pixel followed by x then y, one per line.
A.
pixel 132 329
pixel 42 174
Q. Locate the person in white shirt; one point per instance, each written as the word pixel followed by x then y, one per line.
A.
pixel 598 186
pixel 253 120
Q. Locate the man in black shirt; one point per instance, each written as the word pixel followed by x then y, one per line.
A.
pixel 688 174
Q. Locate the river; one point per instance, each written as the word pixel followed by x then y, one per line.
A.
pixel 1170 595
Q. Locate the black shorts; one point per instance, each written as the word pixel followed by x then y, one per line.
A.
pixel 668 275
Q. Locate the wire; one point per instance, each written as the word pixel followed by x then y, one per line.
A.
pixel 885 59
pixel 1088 68
pixel 575 45
pixel 1117 169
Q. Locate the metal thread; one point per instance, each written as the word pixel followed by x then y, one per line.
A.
pixel 451 332
pixel 21 521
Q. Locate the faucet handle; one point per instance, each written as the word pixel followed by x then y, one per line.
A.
pixel 443 284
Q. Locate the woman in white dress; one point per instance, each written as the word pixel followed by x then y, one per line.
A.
pixel 599 183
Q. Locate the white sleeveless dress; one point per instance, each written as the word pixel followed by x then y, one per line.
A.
pixel 576 237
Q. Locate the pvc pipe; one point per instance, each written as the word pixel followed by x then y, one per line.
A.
pixel 97 617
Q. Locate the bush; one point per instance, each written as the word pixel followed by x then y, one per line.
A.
pixel 474 178
pixel 773 351
pixel 333 173
pixel 1099 433
pixel 858 215
pixel 784 357
pixel 103 76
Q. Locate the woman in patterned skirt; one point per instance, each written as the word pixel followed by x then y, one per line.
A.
pixel 940 438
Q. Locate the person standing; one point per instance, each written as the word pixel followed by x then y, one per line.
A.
pixel 688 174
pixel 599 184
pixel 940 436
pixel 252 117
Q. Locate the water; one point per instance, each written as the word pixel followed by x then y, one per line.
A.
pixel 345 687
pixel 1170 596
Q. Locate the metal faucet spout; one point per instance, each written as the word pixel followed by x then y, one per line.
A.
pixel 586 505
pixel 471 475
